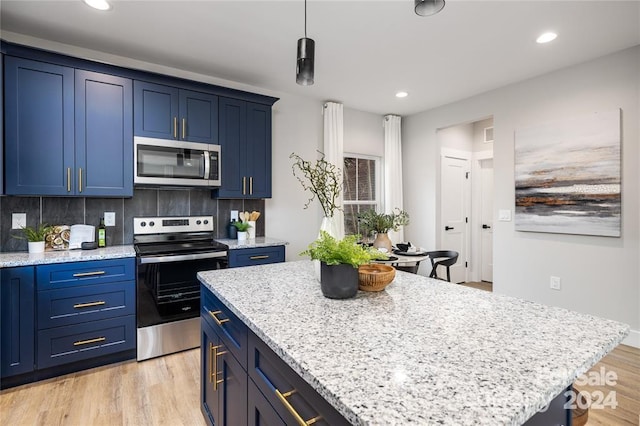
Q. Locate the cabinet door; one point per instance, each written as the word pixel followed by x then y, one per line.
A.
pixel 232 389
pixel 17 326
pixel 1 124
pixel 208 389
pixel 198 117
pixel 104 135
pixel 156 110
pixel 258 153
pixel 233 137
pixel 259 411
pixel 39 128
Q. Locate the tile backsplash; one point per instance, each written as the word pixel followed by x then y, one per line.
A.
pixel 145 202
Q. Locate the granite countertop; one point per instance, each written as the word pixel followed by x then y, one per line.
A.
pixel 8 260
pixel 422 351
pixel 252 243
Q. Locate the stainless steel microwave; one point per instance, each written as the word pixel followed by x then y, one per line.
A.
pixel 160 162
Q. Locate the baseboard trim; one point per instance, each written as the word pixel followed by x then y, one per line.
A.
pixel 633 339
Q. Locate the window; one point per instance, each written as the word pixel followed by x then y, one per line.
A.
pixel 361 190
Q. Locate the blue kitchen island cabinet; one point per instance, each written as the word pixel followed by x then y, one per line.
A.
pixel 245 137
pixel 68 132
pixel 17 316
pixel 364 361
pixel 166 112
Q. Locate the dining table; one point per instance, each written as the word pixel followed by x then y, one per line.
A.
pixel 405 261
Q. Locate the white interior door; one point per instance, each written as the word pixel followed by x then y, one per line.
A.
pixel 486 218
pixel 454 207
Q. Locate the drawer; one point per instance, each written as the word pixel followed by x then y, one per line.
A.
pixel 75 305
pixel 256 256
pixel 62 275
pixel 259 411
pixel 227 326
pixel 285 390
pixel 62 345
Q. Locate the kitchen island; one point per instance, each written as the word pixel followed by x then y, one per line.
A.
pixel 422 351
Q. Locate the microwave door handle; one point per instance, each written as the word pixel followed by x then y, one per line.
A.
pixel 207 164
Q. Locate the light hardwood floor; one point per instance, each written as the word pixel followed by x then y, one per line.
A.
pixel 165 391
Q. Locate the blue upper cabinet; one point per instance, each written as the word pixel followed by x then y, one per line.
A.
pixel 104 134
pixel 166 112
pixel 68 132
pixel 1 126
pixel 245 137
pixel 39 128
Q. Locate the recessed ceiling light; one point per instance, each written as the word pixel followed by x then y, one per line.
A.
pixel 546 37
pixel 402 95
pixel 98 4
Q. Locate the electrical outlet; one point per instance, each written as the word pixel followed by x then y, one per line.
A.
pixel 504 215
pixel 18 220
pixel 109 218
pixel 554 283
pixel 234 215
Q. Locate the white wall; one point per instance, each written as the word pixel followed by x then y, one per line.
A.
pixel 600 275
pixel 363 133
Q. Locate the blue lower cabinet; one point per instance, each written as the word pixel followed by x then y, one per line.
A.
pixel 62 345
pixel 256 256
pixel 17 321
pixel 223 382
pixel 259 411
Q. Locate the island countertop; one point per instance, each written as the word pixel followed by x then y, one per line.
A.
pixel 422 351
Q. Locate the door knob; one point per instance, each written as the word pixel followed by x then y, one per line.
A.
pixel 486 227
pixel 446 228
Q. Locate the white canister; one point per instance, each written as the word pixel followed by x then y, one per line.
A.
pixel 242 235
pixel 252 229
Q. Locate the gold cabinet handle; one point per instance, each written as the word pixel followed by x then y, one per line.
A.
pixel 88 305
pixel 215 318
pixel 244 185
pixel 86 342
pixel 283 398
pixel 212 357
pixel 68 179
pixel 184 128
pixel 80 179
pixel 213 365
pixel 251 185
pixel 175 127
pixel 89 274
pixel 264 256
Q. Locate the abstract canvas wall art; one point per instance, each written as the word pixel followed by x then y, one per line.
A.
pixel 567 176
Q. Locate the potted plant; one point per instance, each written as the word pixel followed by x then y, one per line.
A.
pixel 339 260
pixel 323 179
pixel 242 228
pixel 381 224
pixel 35 236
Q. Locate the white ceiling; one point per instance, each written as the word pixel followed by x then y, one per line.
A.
pixel 365 50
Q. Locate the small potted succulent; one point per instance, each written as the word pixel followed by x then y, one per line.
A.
pixel 339 260
pixel 381 224
pixel 242 228
pixel 35 236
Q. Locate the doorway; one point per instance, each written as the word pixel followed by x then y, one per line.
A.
pixel 465 211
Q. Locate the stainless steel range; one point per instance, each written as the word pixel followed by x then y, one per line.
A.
pixel 170 252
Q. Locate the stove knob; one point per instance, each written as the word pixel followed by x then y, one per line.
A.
pixel 143 224
pixel 198 222
pixel 206 221
pixel 151 223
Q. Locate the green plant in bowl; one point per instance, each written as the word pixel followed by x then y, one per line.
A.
pixel 346 251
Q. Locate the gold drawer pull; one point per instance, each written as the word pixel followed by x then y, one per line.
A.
pixel 175 127
pixel 283 398
pixel 212 360
pixel 184 128
pixel 251 185
pixel 244 185
pixel 68 179
pixel 80 179
pixel 89 274
pixel 264 256
pixel 88 305
pixel 215 318
pixel 86 342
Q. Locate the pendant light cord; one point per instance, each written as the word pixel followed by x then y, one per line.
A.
pixel 305 18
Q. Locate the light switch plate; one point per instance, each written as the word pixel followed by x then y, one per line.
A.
pixel 109 218
pixel 234 215
pixel 504 215
pixel 18 220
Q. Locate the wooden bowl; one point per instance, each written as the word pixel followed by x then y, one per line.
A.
pixel 375 276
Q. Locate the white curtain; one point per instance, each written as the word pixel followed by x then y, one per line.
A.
pixel 393 170
pixel 333 150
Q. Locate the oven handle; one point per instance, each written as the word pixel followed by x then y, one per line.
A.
pixel 181 257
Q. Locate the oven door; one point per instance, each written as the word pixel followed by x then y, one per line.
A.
pixel 167 287
pixel 168 162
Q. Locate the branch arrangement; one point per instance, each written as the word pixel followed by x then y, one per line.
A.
pixel 323 179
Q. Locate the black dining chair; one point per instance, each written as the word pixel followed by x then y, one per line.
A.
pixel 444 258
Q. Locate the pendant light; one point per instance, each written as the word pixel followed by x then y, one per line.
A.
pixel 428 7
pixel 306 54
